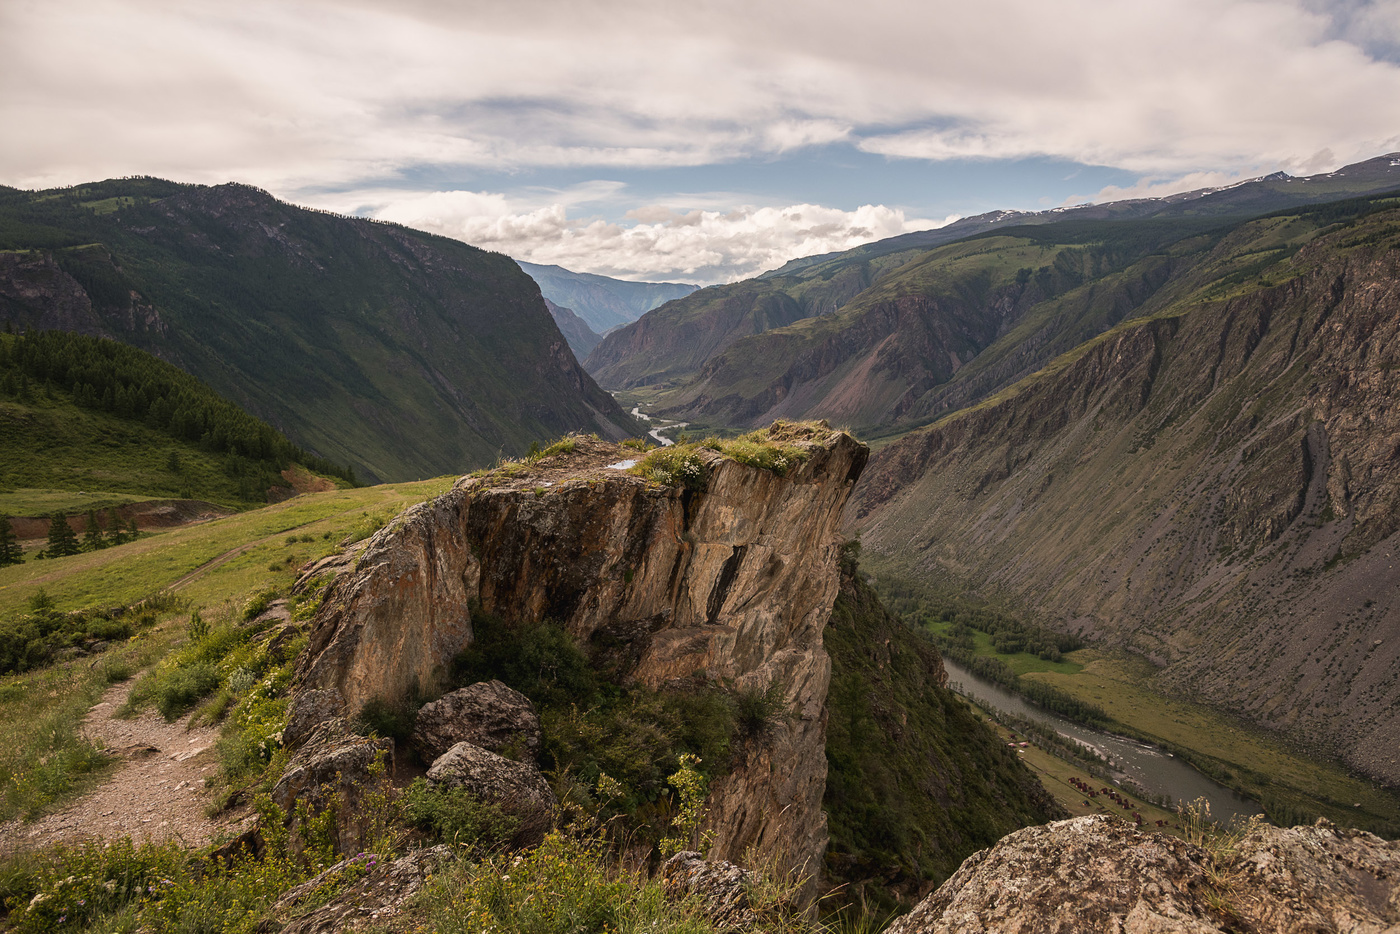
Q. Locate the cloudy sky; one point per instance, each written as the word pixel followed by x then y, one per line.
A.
pixel 690 139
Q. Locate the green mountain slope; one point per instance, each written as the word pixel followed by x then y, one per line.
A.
pixel 1215 487
pixel 85 414
pixel 399 352
pixel 915 783
pixel 893 334
pixel 576 331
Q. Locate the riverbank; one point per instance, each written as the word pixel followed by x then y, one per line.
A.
pixel 1293 785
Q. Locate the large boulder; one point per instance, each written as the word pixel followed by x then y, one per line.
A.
pixel 517 787
pixel 336 765
pixel 1093 874
pixel 487 714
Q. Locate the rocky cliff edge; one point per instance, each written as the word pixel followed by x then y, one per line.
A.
pixel 732 581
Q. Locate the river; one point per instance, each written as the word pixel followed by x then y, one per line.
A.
pixel 660 427
pixel 1149 768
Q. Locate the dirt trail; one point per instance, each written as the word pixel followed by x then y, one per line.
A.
pixel 156 792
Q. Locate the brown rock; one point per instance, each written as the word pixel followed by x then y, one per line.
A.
pixel 732 582
pixel 721 888
pixel 334 763
pixel 487 714
pixel 309 709
pixel 518 787
pixel 1099 874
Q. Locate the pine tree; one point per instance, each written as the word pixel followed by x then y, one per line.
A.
pixel 116 532
pixel 132 532
pixel 62 539
pixel 92 535
pixel 10 551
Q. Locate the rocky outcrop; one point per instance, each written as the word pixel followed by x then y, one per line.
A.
pixel 517 787
pixel 1098 874
pixel 720 887
pixel 732 582
pixel 489 715
pixel 334 766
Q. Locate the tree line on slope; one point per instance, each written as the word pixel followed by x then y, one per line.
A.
pixel 104 375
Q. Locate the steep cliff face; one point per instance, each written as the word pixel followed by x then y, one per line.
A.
pixel 1218 490
pixel 732 582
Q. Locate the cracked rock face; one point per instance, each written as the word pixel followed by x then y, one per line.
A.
pixel 732 582
pixel 1099 874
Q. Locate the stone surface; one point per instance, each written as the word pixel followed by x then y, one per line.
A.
pixel 309 709
pixel 720 887
pixel 518 787
pixel 334 761
pixel 732 582
pixel 487 714
pixel 373 899
pixel 1099 874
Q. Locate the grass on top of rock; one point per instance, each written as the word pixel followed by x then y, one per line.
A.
pixel 683 465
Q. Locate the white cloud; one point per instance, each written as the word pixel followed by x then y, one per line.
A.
pixel 701 246
pixel 290 95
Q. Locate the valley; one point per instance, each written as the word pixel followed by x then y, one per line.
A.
pixel 1129 490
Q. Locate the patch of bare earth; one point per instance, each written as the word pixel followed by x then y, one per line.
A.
pixel 155 793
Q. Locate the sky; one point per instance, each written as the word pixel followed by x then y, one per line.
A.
pixel 693 141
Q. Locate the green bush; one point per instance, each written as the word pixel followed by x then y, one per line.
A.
pixel 540 660
pixel 456 816
pixel 183 688
pixel 678 465
pixel 382 718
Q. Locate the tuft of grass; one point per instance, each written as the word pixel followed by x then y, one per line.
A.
pixel 758 449
pixel 678 465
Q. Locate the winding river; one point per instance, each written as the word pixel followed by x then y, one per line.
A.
pixel 1151 769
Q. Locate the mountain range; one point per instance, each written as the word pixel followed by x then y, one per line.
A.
pixel 603 302
pixel 400 353
pixel 895 333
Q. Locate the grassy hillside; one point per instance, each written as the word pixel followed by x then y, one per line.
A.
pixel 92 416
pixel 401 353
pixel 1212 486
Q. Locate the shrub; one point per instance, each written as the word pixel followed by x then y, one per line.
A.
pixel 456 816
pixel 540 660
pixel 678 465
pixel 382 718
pixel 757 712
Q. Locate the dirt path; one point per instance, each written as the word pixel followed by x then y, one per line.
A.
pixel 156 792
